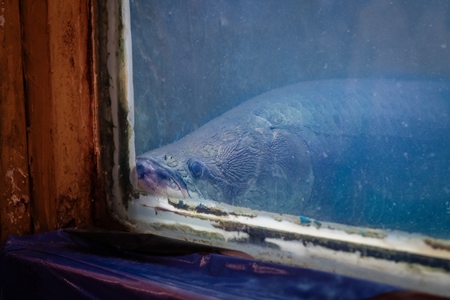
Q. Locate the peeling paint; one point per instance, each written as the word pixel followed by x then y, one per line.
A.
pixel 15 200
pixel 10 176
pixel 11 218
pixel 18 201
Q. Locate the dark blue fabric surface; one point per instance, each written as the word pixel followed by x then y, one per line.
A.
pixel 57 265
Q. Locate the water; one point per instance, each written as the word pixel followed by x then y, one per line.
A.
pixel 194 60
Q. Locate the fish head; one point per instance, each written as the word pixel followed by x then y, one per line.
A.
pixel 208 164
pixel 153 176
pixel 172 176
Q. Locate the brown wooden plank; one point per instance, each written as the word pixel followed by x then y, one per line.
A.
pixel 14 183
pixel 59 90
pixel 37 91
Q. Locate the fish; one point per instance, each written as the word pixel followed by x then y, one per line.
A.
pixel 365 152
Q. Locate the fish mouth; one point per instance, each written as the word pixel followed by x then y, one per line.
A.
pixel 151 176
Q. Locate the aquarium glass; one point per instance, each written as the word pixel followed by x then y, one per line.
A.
pixel 283 124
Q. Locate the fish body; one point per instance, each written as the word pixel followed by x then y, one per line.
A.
pixel 367 152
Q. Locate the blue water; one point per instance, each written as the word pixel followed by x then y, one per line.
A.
pixel 194 60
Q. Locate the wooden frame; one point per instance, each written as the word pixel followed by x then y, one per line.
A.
pixel 50 150
pixel 14 183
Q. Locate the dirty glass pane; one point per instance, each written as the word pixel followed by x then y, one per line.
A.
pixel 355 128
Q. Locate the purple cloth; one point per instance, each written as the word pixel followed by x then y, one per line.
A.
pixel 58 265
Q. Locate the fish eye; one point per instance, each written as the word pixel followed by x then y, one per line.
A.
pixel 196 168
pixel 162 174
